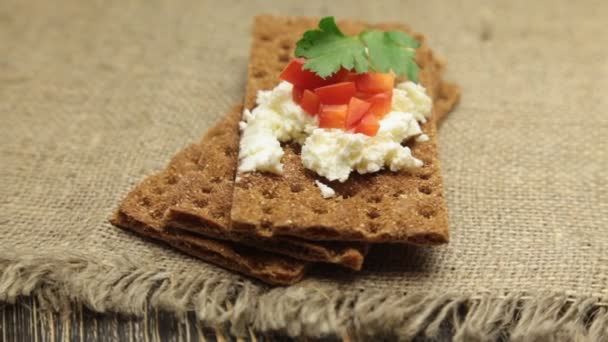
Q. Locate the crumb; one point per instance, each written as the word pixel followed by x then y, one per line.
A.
pixel 326 191
pixel 422 138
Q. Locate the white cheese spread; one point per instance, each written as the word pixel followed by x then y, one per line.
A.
pixel 331 153
pixel 275 119
pixel 411 97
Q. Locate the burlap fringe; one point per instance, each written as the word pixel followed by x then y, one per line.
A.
pixel 121 286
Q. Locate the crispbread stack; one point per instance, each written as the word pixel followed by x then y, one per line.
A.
pixel 143 209
pixel 201 201
pixel 282 224
pixel 204 173
pixel 382 207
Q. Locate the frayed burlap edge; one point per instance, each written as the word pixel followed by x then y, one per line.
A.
pixel 124 286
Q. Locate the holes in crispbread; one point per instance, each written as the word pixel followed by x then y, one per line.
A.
pixel 398 193
pixel 374 199
pixel 145 201
pixel 260 74
pixel 229 151
pixel 284 58
pixel 286 44
pixel 373 214
pixel 206 189
pixel 265 38
pixel 425 189
pixel 425 176
pixel 426 211
pixel 267 210
pixel 296 187
pixel 171 180
pixel 201 203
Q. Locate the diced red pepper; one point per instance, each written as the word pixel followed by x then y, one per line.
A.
pixel 369 125
pixel 295 74
pixel 296 94
pixel 350 77
pixel 345 100
pixel 381 103
pixel 332 116
pixel 375 82
pixel 310 102
pixel 336 94
pixel 343 75
pixel 356 110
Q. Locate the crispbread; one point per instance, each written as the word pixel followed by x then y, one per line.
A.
pixel 143 209
pixel 202 199
pixel 381 207
pixel 205 173
pixel 270 268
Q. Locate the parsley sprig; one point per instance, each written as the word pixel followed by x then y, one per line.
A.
pixel 328 49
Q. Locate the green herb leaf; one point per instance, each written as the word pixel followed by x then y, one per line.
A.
pixel 392 51
pixel 328 49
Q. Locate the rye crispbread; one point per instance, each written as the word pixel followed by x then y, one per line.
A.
pixel 270 268
pixel 143 209
pixel 202 199
pixel 381 207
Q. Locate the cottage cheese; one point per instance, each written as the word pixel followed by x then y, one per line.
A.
pixel 275 119
pixel 331 153
pixel 334 154
pixel 411 97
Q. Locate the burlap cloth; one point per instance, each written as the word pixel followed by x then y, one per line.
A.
pixel 96 95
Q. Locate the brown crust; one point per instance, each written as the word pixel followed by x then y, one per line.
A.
pixel 143 209
pixel 382 207
pixel 201 201
pixel 267 267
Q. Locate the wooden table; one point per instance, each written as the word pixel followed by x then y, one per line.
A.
pixel 25 321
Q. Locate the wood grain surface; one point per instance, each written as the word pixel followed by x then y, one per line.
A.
pixel 26 321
